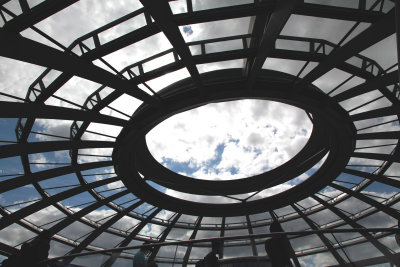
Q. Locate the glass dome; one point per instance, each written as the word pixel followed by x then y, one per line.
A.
pixel 83 82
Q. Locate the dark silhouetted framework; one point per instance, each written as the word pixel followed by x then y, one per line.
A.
pixel 337 137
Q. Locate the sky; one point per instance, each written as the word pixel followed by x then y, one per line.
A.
pixel 221 141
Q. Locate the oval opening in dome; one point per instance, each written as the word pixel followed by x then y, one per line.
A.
pixel 230 140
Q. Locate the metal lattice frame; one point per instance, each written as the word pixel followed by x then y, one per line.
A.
pixel 268 19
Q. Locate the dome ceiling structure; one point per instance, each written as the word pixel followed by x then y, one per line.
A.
pixel 84 83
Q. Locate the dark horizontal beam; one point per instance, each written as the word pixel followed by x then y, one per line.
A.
pixel 162 14
pixel 388 210
pixel 17 47
pixel 373 34
pixel 223 13
pixel 271 31
pixel 377 156
pixel 40 147
pixel 370 85
pixel 379 135
pixel 374 177
pixel 248 10
pixel 48 174
pixel 121 42
pixel 375 113
pixel 36 14
pixel 114 256
pixel 323 238
pixel 368 236
pixel 98 231
pixel 339 13
pixel 34 110
pixel 84 211
pixel 28 210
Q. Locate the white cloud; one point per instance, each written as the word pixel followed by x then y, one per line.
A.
pixel 39 158
pixel 328 29
pixel 88 15
pixel 248 135
pixel 16 76
pixel 53 127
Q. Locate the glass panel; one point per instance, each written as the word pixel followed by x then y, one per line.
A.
pixel 15 234
pixel 331 79
pixel 12 82
pixel 341 3
pixel 288 66
pixel 138 51
pixel 201 5
pixel 215 29
pixel 328 29
pixel 223 46
pixel 106 240
pixel 82 23
pixel 122 29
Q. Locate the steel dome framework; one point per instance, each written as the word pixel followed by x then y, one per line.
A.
pixel 362 153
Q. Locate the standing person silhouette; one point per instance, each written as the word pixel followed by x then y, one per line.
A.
pixel 211 259
pixel 278 247
pixel 33 252
pixel 139 260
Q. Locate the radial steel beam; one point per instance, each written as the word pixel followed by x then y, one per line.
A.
pixel 323 238
pixel 28 210
pixel 386 209
pixel 248 10
pixel 81 213
pixel 376 113
pixel 164 236
pixel 278 19
pixel 190 246
pixel 374 177
pixel 99 230
pixel 20 48
pixel 162 14
pixel 250 229
pixel 379 135
pixel 223 13
pixel 339 13
pixel 27 110
pixel 51 173
pixel 377 156
pixel 129 238
pixel 31 16
pixel 373 34
pixel 384 250
pixel 50 146
pixel 256 29
pixel 368 86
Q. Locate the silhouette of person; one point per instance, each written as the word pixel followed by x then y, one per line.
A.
pixel 211 259
pixel 139 260
pixel 32 252
pixel 278 247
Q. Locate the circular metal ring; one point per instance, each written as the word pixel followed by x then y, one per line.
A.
pixel 333 135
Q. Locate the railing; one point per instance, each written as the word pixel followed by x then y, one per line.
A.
pixel 240 237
